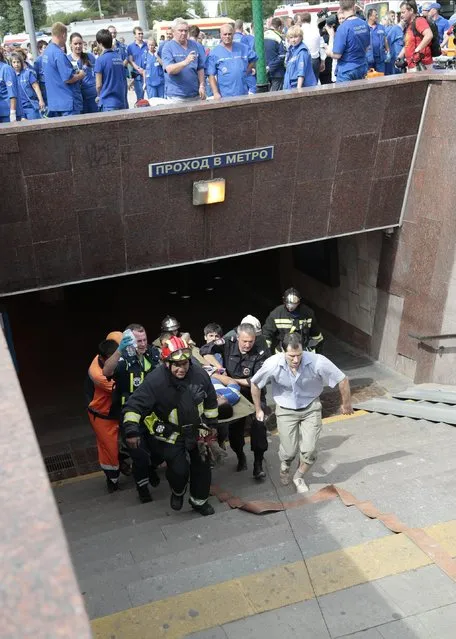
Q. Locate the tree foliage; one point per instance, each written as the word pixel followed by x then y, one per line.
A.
pixel 13 17
pixel 112 8
pixel 242 9
pixel 170 9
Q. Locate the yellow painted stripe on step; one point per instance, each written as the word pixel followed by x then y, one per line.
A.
pixel 340 418
pixel 78 478
pixel 372 560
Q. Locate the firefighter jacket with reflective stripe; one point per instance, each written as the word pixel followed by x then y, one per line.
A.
pixel 98 390
pixel 281 322
pixel 130 373
pixel 164 404
pixel 238 365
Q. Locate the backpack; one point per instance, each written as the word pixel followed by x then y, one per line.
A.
pixel 435 42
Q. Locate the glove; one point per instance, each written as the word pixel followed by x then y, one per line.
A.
pixel 12 116
pixel 128 339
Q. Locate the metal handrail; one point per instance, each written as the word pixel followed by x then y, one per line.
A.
pixel 423 338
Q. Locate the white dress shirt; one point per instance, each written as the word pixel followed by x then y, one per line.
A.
pixel 311 38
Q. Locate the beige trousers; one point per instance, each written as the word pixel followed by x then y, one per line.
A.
pixel 299 430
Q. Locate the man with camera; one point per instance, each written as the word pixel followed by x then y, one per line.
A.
pixel 349 44
pixel 416 52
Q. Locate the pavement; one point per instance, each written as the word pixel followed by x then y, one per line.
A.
pixel 320 570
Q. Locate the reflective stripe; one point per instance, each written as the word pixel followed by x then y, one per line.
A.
pixel 171 440
pixel 283 322
pixel 132 417
pixel 197 502
pixel 143 482
pixel 173 417
pixel 317 338
pixel 200 408
pixel 211 413
pixel 107 467
pixel 269 342
pixel 133 376
pixel 147 365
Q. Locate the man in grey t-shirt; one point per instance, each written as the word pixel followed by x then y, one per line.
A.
pixel 297 379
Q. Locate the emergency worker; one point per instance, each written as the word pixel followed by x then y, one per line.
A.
pixel 290 317
pixel 242 358
pixel 378 52
pixel 348 45
pixel 103 416
pixel 172 325
pixel 8 91
pixel 121 50
pixel 129 372
pixel 38 66
pixel 135 53
pixel 166 414
pixel 440 22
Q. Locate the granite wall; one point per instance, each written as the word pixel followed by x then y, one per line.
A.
pixel 77 202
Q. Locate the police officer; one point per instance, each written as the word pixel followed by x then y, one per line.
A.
pixel 242 358
pixel 166 412
pixel 129 372
pixel 292 316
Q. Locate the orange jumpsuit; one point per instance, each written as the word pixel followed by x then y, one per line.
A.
pixel 101 417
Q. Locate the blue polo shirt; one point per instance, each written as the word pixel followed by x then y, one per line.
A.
pixel 351 42
pixel 8 88
pixel 442 25
pixel 137 52
pixel 110 65
pixel 299 64
pixel 88 87
pixel 26 94
pixel 184 84
pixel 376 51
pixel 229 68
pixel 57 70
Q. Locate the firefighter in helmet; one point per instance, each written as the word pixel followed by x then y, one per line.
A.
pixel 174 413
pixel 290 317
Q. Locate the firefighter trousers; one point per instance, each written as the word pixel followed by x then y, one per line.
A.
pixel 183 465
pixel 144 458
pixel 106 432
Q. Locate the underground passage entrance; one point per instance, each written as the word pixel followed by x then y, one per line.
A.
pixel 55 332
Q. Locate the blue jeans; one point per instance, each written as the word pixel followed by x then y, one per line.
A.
pixel 354 74
pixel 138 84
pixel 31 113
pixel 62 114
pixel 156 92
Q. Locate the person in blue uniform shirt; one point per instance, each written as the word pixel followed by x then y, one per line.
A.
pixel 440 22
pixel 8 91
pixel 395 37
pixel 184 67
pixel 168 37
pixel 38 66
pixel 298 63
pixel 136 51
pixel 61 79
pixel 109 75
pixel 378 52
pixel 349 44
pixel 85 62
pixel 121 49
pixel 29 99
pixel 243 38
pixel 228 65
pixel 155 78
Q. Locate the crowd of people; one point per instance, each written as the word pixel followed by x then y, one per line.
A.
pixel 96 76
pixel 172 403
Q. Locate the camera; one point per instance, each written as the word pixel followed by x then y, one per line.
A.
pixel 324 18
pixel 400 63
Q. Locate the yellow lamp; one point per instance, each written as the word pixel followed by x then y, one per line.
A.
pixel 209 191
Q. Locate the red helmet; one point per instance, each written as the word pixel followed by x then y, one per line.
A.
pixel 175 349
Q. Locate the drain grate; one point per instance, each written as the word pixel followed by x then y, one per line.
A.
pixel 59 462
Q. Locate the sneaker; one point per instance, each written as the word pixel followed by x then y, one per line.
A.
pixel 144 494
pixel 284 475
pixel 205 510
pixel 154 479
pixel 258 471
pixel 176 501
pixel 242 463
pixel 300 484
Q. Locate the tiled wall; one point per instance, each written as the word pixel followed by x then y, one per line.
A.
pixel 77 202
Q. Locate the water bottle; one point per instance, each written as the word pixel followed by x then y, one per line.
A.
pixel 131 350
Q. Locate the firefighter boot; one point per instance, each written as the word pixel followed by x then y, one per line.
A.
pixel 144 494
pixel 176 501
pixel 205 509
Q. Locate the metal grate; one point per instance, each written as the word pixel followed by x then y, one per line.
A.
pixel 58 462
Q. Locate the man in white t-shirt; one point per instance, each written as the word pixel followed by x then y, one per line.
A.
pixel 312 39
pixel 297 379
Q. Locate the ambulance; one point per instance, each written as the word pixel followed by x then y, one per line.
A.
pixel 209 26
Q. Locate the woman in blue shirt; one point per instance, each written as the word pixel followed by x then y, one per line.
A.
pixel 29 100
pixel 38 67
pixel 85 62
pixel 298 63
pixel 8 91
pixel 155 78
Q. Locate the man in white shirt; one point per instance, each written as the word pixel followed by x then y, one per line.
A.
pixel 297 379
pixel 312 39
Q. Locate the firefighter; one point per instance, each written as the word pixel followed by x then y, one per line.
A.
pixel 128 372
pixel 242 358
pixel 172 325
pixel 166 413
pixel 102 415
pixel 290 317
